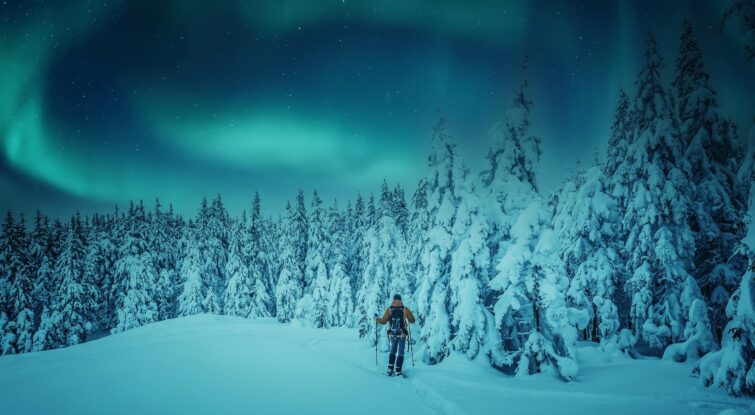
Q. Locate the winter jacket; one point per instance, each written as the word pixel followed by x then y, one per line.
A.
pixel 408 316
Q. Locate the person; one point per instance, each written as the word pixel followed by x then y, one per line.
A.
pixel 397 315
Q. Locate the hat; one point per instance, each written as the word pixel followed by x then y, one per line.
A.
pixel 397 297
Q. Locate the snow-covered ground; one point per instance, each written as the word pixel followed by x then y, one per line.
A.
pixel 209 364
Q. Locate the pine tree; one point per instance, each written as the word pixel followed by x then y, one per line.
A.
pixel 262 303
pixel 733 367
pixel 300 232
pixel 317 245
pixel 16 337
pixel 39 263
pixel 288 289
pixel 713 153
pixel 237 299
pixel 419 223
pixel 318 313
pixel 21 292
pixel 213 229
pixel 536 326
pixel 136 266
pixel 587 220
pixel 75 300
pixel 340 303
pixel 162 241
pixel 659 239
pixel 194 289
pixel 509 181
pixel 432 291
pixel 400 211
pixel 99 267
pixel 469 271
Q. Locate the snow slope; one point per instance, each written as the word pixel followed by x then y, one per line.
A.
pixel 209 364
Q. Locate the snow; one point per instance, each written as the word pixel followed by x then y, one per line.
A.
pixel 207 364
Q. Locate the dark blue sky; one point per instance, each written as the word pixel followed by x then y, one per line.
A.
pixel 102 103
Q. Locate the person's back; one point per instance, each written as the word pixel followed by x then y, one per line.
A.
pixel 396 315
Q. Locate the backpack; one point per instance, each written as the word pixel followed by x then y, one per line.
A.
pixel 396 324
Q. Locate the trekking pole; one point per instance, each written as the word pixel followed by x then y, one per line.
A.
pixel 376 341
pixel 411 349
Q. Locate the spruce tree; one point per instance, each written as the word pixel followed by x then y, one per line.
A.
pixel 237 299
pixel 193 286
pixel 470 263
pixel 587 220
pixel 288 289
pixel 75 303
pixel 162 241
pixel 432 291
pixel 340 302
pixel 659 242
pixel 714 154
pixel 136 266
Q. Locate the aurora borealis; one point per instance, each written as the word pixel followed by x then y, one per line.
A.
pixel 105 102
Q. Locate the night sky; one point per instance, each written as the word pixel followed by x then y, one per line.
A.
pixel 101 103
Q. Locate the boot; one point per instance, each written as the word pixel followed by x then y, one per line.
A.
pixel 391 360
pixel 399 364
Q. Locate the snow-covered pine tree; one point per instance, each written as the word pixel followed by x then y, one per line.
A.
pixel 618 143
pixel 587 221
pixel 470 262
pixel 237 298
pixel 509 180
pixel 136 266
pixel 354 249
pixel 714 155
pixel 733 367
pixel 400 211
pixel 113 289
pixel 162 241
pixel 319 311
pixel 17 336
pixel 99 267
pixel 213 228
pixel 7 271
pixel 536 328
pixel 272 234
pixel 432 291
pixel 340 302
pixel 384 271
pixel 75 302
pixel 41 266
pixel 334 228
pixel 416 235
pixel 256 253
pixel 318 243
pixel 533 329
pixel 299 229
pixel 339 297
pixel 288 289
pixel 194 288
pixel 660 243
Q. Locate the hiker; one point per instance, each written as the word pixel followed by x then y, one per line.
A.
pixel 397 315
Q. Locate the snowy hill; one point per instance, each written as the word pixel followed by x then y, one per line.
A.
pixel 209 364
